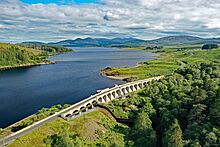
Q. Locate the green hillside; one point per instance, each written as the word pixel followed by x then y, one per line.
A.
pixel 12 55
pixel 51 49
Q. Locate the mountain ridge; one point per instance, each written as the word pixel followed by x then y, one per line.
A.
pixel 85 42
pixel 134 42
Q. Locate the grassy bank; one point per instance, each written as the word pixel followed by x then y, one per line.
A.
pixel 92 127
pixel 39 115
pixel 170 59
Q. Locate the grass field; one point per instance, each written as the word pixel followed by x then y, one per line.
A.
pixel 169 60
pixel 86 127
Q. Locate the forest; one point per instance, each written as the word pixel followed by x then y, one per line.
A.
pixel 45 47
pixel 15 55
pixel 182 109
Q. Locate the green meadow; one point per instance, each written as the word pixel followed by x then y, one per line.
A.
pixel 170 59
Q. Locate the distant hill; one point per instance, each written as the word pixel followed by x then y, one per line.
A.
pixel 79 42
pixel 133 42
pixel 127 42
pixel 177 40
pixel 32 43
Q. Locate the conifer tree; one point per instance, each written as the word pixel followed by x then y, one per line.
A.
pixel 173 136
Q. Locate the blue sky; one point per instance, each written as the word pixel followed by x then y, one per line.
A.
pixel 54 20
pixel 59 1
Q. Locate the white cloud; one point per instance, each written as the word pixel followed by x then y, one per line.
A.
pixel 177 16
pixel 111 18
pixel 213 24
pixel 149 3
pixel 159 27
pixel 137 25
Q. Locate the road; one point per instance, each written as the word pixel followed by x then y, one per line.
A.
pixel 5 141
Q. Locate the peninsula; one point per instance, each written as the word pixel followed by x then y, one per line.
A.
pixel 26 55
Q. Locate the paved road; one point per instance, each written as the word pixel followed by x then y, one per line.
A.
pixel 5 141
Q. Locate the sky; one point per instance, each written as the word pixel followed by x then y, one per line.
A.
pixel 55 20
pixel 59 2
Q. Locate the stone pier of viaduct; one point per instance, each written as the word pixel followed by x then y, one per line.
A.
pixel 106 95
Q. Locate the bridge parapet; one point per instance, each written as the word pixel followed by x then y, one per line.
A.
pixel 104 96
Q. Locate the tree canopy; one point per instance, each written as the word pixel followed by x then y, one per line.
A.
pixel 182 109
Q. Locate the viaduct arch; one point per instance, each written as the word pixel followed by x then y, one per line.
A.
pixel 106 95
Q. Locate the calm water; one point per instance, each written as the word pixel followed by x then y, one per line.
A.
pixel 74 77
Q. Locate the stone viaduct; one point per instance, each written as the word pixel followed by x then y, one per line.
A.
pixel 106 95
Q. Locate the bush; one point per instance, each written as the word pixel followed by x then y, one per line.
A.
pixel 209 46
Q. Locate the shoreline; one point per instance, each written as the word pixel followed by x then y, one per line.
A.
pixel 115 77
pixel 5 68
pixel 104 71
pixel 27 65
pixel 118 77
pixel 6 131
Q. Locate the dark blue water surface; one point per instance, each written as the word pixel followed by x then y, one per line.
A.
pixel 74 77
